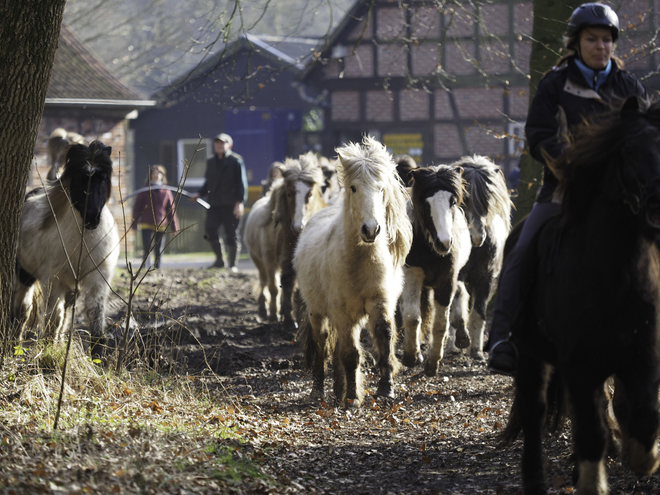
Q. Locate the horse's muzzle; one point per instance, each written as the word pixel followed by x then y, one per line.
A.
pixel 442 248
pixel 92 223
pixel 369 234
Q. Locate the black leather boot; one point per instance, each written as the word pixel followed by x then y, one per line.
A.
pixel 231 258
pixel 217 250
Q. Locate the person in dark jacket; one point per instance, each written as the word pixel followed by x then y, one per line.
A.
pixel 155 213
pixel 225 190
pixel 587 81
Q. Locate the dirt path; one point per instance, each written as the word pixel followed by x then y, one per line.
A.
pixel 439 435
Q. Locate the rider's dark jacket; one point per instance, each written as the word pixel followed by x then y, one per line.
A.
pixel 566 87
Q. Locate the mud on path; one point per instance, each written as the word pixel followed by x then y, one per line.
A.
pixel 438 436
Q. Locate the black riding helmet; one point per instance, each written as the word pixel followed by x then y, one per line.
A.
pixel 593 14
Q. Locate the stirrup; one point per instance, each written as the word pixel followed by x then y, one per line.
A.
pixel 504 362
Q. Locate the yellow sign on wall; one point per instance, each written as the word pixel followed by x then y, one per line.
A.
pixel 405 144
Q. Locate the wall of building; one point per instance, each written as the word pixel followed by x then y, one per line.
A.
pixel 460 70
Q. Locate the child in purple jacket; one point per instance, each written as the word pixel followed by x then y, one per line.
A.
pixel 154 212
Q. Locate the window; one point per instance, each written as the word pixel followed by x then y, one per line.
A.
pixel 192 155
pixel 516 138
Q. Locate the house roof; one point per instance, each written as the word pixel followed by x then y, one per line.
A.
pixel 288 53
pixel 353 16
pixel 80 78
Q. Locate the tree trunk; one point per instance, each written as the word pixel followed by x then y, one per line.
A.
pixel 550 21
pixel 29 31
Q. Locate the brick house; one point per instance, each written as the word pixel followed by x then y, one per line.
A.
pixel 439 82
pixel 84 97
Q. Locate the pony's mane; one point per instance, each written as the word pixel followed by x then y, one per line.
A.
pixel 97 155
pixel 80 160
pixel 596 145
pixel 428 180
pixel 371 162
pixel 405 164
pixel 306 169
pixel 487 193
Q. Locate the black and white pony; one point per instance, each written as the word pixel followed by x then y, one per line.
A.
pixel 349 263
pixel 592 303
pixel 487 209
pixel 67 234
pixel 331 188
pixel 441 247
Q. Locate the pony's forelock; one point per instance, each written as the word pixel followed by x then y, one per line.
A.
pixel 372 160
pixel 305 168
pixel 371 157
pixel 487 193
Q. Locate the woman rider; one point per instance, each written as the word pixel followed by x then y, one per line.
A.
pixel 586 81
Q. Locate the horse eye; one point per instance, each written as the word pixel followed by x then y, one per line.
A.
pixel 353 189
pixel 452 201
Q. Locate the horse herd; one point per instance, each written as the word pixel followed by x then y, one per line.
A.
pixel 391 246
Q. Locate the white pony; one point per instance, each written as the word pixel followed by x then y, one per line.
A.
pixel 68 233
pixel 349 263
pixel 273 227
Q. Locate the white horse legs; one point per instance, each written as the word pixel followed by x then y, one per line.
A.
pixel 271 282
pixel 348 386
pixel 316 350
pixel 438 339
pixel 476 328
pixel 382 329
pixel 412 316
pixel 460 316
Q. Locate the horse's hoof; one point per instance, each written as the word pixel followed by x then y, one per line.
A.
pixel 462 340
pixel 316 395
pixel 478 356
pixel 641 462
pixel 385 390
pixel 431 369
pixel 290 325
pixel 412 361
pixel 351 403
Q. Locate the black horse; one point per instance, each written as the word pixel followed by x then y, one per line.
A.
pixel 592 302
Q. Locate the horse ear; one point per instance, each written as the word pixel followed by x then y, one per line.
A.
pixel 459 170
pixel 630 107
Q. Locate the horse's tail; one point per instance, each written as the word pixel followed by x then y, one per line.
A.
pixel 555 410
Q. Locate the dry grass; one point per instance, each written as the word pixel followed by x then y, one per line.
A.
pixel 137 432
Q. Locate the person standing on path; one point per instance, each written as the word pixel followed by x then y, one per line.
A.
pixel 154 211
pixel 225 190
